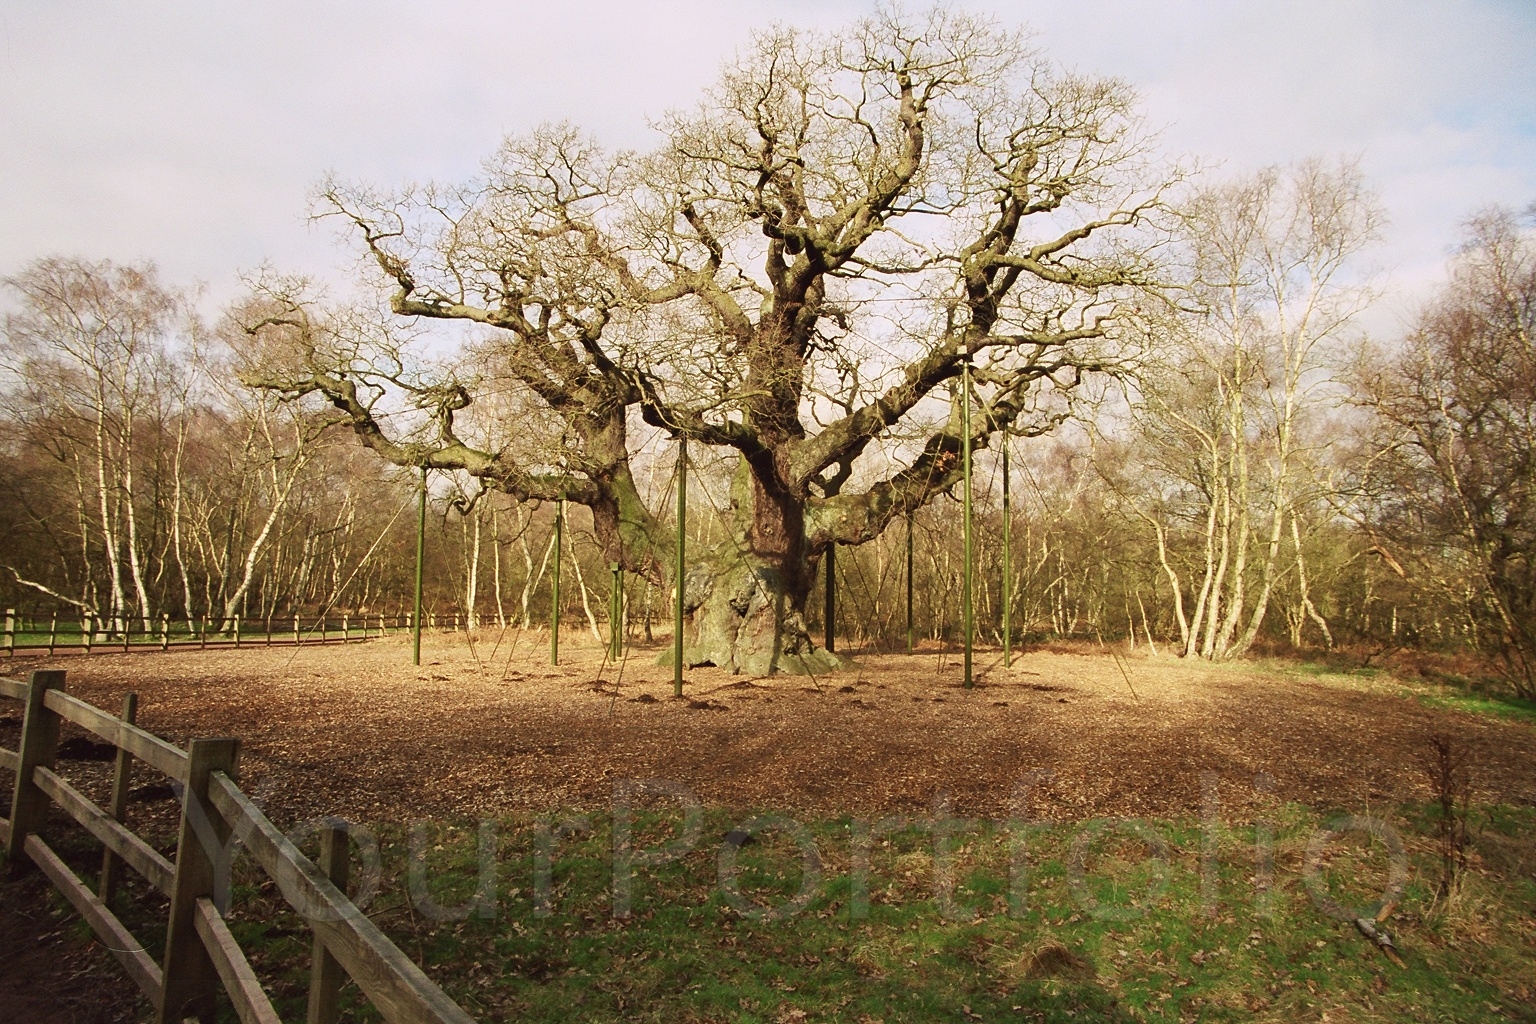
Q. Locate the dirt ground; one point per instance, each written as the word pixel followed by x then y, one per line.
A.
pixel 490 728
pixel 50 974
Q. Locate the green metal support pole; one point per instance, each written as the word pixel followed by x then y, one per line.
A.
pixel 421 547
pixel 910 635
pixel 1007 565
pixel 682 565
pixel 616 613
pixel 829 595
pixel 554 597
pixel 965 468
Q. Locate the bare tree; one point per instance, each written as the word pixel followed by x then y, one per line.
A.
pixel 1453 475
pixel 88 353
pixel 1228 417
pixel 796 277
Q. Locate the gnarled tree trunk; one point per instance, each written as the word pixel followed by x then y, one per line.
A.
pixel 748 616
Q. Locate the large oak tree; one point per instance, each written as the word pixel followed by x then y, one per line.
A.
pixel 795 276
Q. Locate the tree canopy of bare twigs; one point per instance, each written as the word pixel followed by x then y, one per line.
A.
pixel 796 276
pixel 1452 479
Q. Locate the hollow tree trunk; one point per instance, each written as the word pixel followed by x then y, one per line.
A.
pixel 747 595
pixel 748 617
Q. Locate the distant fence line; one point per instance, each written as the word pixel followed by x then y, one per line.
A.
pixel 201 955
pixel 89 633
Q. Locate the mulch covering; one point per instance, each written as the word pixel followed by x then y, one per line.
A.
pixel 492 729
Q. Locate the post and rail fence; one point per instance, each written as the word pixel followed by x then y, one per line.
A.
pixel 201 956
pixel 88 633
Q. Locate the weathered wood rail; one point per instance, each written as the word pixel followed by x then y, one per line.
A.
pixel 92 634
pixel 201 955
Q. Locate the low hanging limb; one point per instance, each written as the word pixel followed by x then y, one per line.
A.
pixel 23 581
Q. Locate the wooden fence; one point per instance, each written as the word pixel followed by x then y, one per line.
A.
pixel 20 634
pixel 201 955
pixel 88 633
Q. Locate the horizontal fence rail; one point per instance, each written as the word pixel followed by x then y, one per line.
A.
pixel 201 955
pixel 147 747
pixel 140 966
pixel 142 857
pixel 392 982
pixel 90 634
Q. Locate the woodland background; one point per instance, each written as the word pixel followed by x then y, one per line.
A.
pixel 1262 473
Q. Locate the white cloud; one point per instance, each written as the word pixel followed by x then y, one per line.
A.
pixel 191 133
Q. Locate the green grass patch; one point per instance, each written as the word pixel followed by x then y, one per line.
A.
pixel 1507 707
pixel 1097 921
pixel 1440 690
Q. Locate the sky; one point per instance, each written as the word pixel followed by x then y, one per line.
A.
pixel 192 134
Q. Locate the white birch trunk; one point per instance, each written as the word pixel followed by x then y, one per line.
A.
pixel 472 577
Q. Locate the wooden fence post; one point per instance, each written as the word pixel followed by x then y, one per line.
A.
pixel 53 632
pixel 165 631
pixel 118 807
pixel 237 632
pixel 325 973
pixel 39 743
pixel 191 983
pixel 87 630
pixel 10 631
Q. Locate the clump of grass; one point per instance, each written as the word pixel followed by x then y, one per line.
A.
pixel 1051 959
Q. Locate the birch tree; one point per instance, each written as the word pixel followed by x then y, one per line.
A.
pixel 87 351
pixel 1224 416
